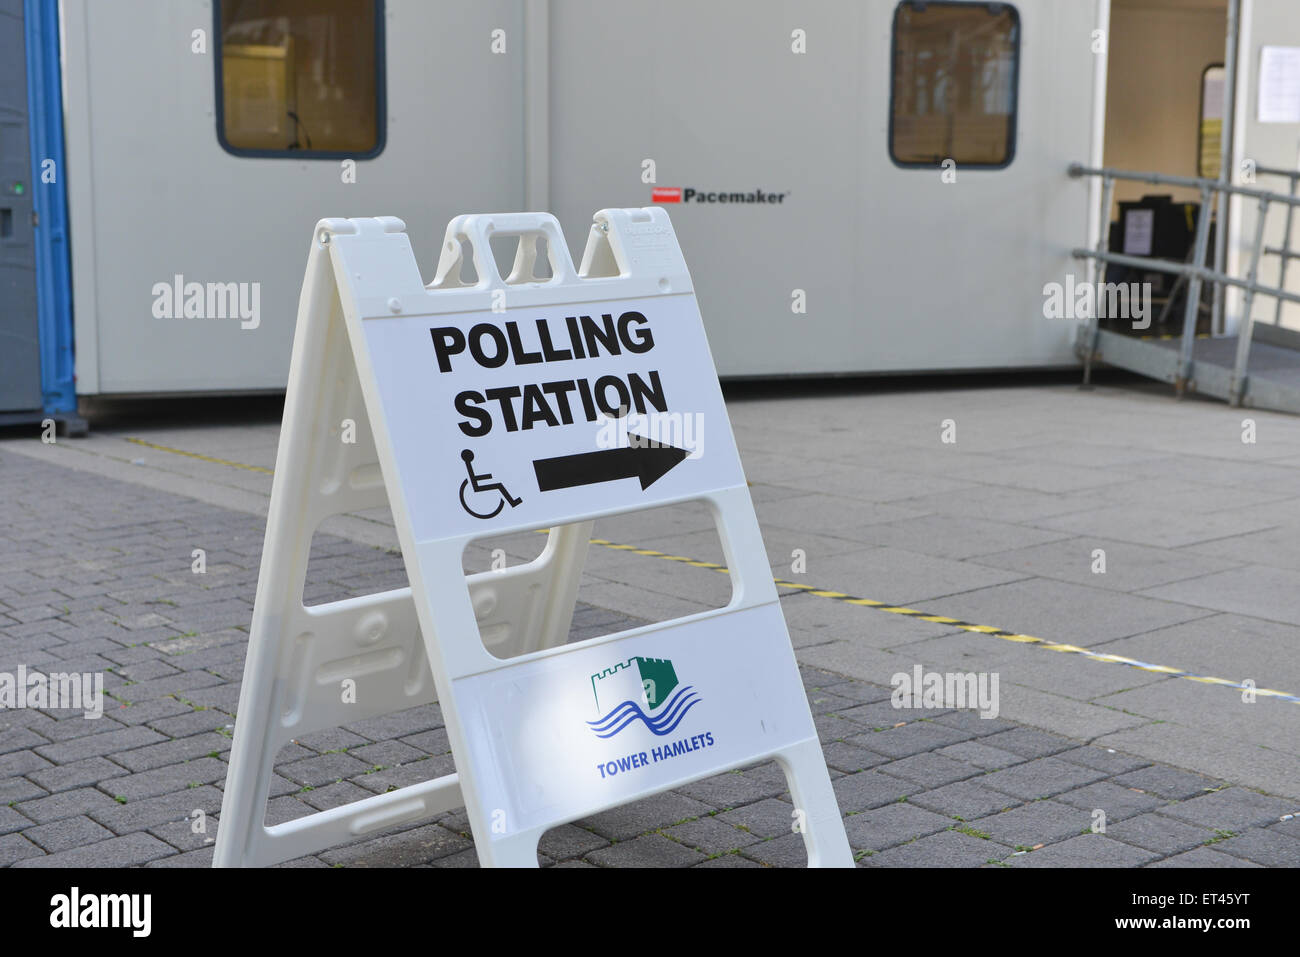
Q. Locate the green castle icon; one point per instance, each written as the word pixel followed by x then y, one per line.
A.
pixel 647 681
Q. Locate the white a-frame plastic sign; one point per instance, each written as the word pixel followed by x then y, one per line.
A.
pixel 489 409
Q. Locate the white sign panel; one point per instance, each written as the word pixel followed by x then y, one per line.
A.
pixel 537 415
pixel 562 737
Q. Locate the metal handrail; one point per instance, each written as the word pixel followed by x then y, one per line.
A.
pixel 1077 170
pixel 1292 174
pixel 1293 177
pixel 1194 271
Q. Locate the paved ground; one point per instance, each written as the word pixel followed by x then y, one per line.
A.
pixel 999 530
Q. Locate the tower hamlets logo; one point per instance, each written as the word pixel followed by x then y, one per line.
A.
pixel 640 689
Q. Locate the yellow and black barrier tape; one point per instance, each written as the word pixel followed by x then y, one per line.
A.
pixel 962 625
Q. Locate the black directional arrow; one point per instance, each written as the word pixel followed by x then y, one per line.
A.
pixel 647 463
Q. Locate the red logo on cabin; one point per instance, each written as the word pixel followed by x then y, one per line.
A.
pixel 666 194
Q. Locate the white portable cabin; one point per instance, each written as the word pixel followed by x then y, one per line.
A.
pixel 824 230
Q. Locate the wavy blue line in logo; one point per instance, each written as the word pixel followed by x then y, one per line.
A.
pixel 663 723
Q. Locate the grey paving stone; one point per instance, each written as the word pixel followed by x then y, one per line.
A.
pixel 966 800
pixel 730 789
pixel 648 850
pixel 183 836
pixel 763 819
pixel 21 762
pixel 15 847
pixel 222 697
pixel 981 755
pixel 869 789
pixel 16 739
pixel 289 807
pixel 198 858
pixel 1103 759
pixel 972 721
pixel 11 820
pixel 826 701
pixel 910 739
pixel 172 752
pixel 193 722
pixel 861 691
pixel 470 859
pixel 648 814
pixel 128 851
pixel 882 715
pixel 400 724
pixel 1039 822
pixel 1204 857
pixel 890 825
pixel 186 684
pixel 332 739
pixel 293 752
pixel 849 758
pixel 16 790
pixel 279 786
pixel 69 728
pixel 1118 802
pixel 66 804
pixel 1085 850
pixel 416 772
pixel 944 849
pixel 728 860
pixel 67 833
pixel 1288 825
pixel 150 711
pixel 836 727
pixel 386 754
pixel 323 769
pixel 173 777
pixel 138 815
pixel 1168 783
pixel 568 840
pixel 431 742
pixel 1232 809
pixel 930 770
pixel 785 851
pixel 1263 847
pixel 1155 832
pixel 98 745
pixel 1042 777
pixel 1029 743
pixel 334 795
pixel 711 836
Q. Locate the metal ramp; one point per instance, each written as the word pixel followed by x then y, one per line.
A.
pixel 1258 367
pixel 1272 368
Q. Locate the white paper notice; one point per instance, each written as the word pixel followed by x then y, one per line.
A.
pixel 1212 94
pixel 1279 85
pixel 1139 228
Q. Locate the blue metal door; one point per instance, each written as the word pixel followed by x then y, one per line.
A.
pixel 20 365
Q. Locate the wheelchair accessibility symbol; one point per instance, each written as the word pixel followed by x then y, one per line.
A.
pixel 481 484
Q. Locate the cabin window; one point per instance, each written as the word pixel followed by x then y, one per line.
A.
pixel 300 78
pixel 955 71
